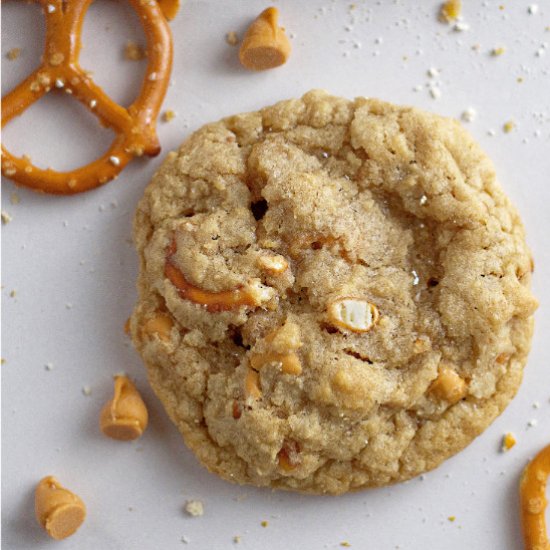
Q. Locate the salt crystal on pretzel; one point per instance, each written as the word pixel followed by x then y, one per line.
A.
pixel 135 126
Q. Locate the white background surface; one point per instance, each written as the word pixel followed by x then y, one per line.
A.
pixel 73 268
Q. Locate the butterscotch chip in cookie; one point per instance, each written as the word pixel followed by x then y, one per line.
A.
pixel 333 294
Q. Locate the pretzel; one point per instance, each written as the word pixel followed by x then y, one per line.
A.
pixel 251 295
pixel 134 126
pixel 533 501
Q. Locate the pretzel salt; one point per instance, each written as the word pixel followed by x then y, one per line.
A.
pixel 135 126
pixel 533 501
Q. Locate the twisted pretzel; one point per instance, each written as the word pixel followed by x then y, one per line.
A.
pixel 533 501
pixel 134 126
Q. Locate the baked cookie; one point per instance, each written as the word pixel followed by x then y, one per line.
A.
pixel 333 294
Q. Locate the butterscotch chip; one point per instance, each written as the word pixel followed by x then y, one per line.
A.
pixel 350 287
pixel 125 416
pixel 59 511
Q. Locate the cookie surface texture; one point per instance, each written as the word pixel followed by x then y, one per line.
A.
pixel 333 294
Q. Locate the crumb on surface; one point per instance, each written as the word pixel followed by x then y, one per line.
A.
pixel 451 518
pixel 168 115
pixel 13 293
pixel 232 38
pixel 499 50
pixel 469 115
pixel 14 198
pixel 13 54
pixel 134 51
pixel 345 544
pixel 508 441
pixel 87 391
pixel 6 217
pixel 264 523
pixel 194 508
pixel 237 539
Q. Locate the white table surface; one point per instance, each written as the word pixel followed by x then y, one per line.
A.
pixel 73 268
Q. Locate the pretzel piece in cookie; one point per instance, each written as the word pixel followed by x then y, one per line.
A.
pixel 252 294
pixel 135 126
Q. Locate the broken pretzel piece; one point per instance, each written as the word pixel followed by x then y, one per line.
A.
pixel 253 294
pixel 354 314
pixel 533 501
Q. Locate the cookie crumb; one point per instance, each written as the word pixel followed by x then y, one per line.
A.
pixel 264 523
pixel 469 115
pixel 532 9
pixel 87 391
pixel 432 72
pixel 237 539
pixel 13 54
pixel 6 217
pixel 451 518
pixel 134 51
pixel 194 508
pixel 48 366
pixel 185 540
pixel 536 405
pixel 345 544
pixel 13 293
pixel 232 38
pixel 532 423
pixel 168 115
pixel 14 198
pixel 508 126
pixel 435 92
pixel 495 52
pixel 461 26
pixel 2 361
pixel 508 441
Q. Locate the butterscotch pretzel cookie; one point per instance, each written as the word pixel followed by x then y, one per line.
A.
pixel 333 294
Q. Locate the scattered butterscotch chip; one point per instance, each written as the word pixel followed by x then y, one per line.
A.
pixel 264 523
pixel 495 52
pixel 13 54
pixel 134 51
pixel 6 217
pixel 168 115
pixel 59 511
pixel 125 416
pixel 265 44
pixel 508 441
pixel 450 10
pixel 508 126
pixel 451 518
pixel 345 544
pixel 194 508
pixel 232 38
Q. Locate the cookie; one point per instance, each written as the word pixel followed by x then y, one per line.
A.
pixel 333 294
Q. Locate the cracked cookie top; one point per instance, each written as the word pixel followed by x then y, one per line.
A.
pixel 333 294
